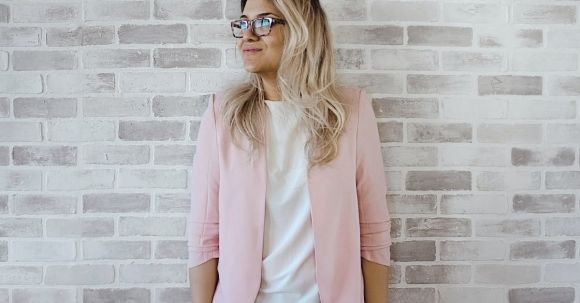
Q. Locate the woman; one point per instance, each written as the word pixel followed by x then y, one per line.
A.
pixel 288 190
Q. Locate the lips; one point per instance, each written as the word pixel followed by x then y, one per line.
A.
pixel 252 50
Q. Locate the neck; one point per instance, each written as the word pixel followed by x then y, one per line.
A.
pixel 271 91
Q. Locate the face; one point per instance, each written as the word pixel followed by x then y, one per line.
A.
pixel 265 58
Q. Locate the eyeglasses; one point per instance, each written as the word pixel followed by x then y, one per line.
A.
pixel 260 26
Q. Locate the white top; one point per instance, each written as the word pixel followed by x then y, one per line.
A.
pixel 288 265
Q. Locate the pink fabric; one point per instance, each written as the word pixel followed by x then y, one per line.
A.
pixel 348 203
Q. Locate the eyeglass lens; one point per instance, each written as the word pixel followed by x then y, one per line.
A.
pixel 260 27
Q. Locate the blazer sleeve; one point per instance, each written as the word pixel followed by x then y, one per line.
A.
pixel 375 224
pixel 203 220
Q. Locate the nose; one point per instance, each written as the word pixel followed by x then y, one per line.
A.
pixel 249 34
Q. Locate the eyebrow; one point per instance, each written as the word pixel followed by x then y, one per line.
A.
pixel 258 15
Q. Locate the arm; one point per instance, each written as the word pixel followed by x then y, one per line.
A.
pixel 375 224
pixel 203 228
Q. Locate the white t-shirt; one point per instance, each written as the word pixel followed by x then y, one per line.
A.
pixel 288 265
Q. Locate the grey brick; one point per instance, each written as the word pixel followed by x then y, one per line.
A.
pixel 472 61
pixel 544 203
pixel 438 227
pixel 350 58
pixel 369 34
pixel 45 107
pixel 438 274
pixel 47 295
pixel 152 273
pixel 394 107
pixel 81 130
pixel 4 107
pixel 82 274
pixel 44 60
pixel 116 107
pixel 510 133
pixel 563 133
pixel 562 273
pixel 46 12
pixel 116 10
pixel 4 155
pixel 502 274
pixel 472 251
pixel 412 204
pixel 508 180
pixel 440 35
pixel 438 132
pixel 440 84
pixel 438 180
pixel 21 228
pixel 50 251
pixel 374 83
pixel 4 13
pixel 172 203
pixel 178 106
pixel 458 155
pixel 100 295
pixel 3 204
pixel 20 275
pixel 116 202
pixel 115 154
pixel 45 155
pixel 187 57
pixel 171 249
pixel 80 179
pixel 507 227
pixel 423 11
pixel 174 155
pixel 116 58
pixel 539 295
pixel 152 226
pixel 80 83
pixel 473 204
pixel 563 227
pixel 563 180
pixel 188 10
pixel 393 132
pixel 152 178
pixel 152 33
pixel 526 250
pixel 116 250
pixel 173 294
pixel 395 274
pixel 80 227
pixel 472 294
pixel 411 251
pixel 20 83
pixel 4 61
pixel 475 13
pixel 510 85
pixel 564 86
pixel 151 130
pixel 404 59
pixel 44 204
pixel 147 82
pixel 346 10
pixel 20 179
pixel 408 155
pixel 20 36
pixel 396 227
pixel 544 14
pixel 3 258
pixel 412 295
pixel 80 35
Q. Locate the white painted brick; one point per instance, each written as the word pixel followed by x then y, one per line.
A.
pixel 544 61
pixel 80 227
pixel 153 273
pixel 474 204
pixel 3 60
pixel 563 38
pixel 473 108
pixel 20 275
pixel 94 274
pixel 147 82
pixel 47 251
pixel 47 295
pixel 80 179
pixel 12 83
pixel 475 13
pixel 20 36
pixel 472 61
pixel 421 11
pixel 116 10
pixel 472 294
pixel 116 107
pixel 116 250
pixel 152 226
pixel 544 14
pixel 20 179
pixel 46 12
pixel 474 156
pixel 80 83
pixel 508 180
pixel 81 130
pixel 20 131
pixel 501 274
pixel 152 178
pixel 395 59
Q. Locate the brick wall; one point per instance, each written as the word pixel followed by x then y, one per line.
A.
pixel 477 104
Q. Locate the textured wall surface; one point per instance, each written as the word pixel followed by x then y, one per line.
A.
pixel 477 104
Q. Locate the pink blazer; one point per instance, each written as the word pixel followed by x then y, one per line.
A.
pixel 348 208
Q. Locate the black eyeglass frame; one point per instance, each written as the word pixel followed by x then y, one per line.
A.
pixel 273 21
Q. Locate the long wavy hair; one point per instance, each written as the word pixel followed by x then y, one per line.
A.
pixel 306 78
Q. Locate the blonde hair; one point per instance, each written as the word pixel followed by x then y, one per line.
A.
pixel 306 78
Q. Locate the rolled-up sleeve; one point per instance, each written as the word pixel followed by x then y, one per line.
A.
pixel 375 224
pixel 203 220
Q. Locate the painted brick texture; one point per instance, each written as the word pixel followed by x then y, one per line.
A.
pixel 476 102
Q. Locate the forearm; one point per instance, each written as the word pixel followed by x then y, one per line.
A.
pixel 203 281
pixel 376 282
